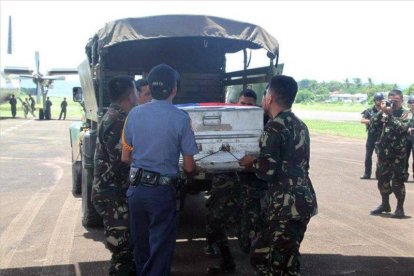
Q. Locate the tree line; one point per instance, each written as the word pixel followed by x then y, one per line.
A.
pixel 314 91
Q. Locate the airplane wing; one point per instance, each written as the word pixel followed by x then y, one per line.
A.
pixel 18 70
pixel 62 71
pixel 53 77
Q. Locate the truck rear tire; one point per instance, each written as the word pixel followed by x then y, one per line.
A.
pixel 90 217
pixel 77 178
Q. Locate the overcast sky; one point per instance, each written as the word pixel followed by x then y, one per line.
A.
pixel 321 40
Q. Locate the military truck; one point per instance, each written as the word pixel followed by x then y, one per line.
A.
pixel 197 47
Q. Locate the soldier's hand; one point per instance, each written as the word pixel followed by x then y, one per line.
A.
pixel 247 161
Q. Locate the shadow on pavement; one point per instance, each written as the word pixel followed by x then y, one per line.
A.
pixel 312 265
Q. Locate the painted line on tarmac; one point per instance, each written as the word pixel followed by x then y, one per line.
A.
pixel 61 242
pixel 12 237
pixel 15 127
pixel 40 160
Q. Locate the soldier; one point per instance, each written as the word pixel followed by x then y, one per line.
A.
pixel 63 106
pixel 248 97
pixel 144 93
pixel 283 163
pixel 373 134
pixel 223 217
pixel 393 121
pixel 410 137
pixel 26 107
pixel 13 103
pixel 32 103
pixel 48 106
pixel 111 176
pixel 155 134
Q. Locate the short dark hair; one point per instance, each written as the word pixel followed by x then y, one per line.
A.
pixel 140 83
pixel 285 88
pixel 395 92
pixel 249 93
pixel 119 88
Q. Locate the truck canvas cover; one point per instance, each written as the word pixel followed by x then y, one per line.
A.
pixel 154 31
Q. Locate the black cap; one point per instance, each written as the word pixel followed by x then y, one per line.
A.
pixel 378 96
pixel 162 79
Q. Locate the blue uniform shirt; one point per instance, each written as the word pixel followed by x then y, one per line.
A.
pixel 158 132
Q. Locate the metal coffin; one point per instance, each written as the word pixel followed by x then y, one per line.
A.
pixel 224 133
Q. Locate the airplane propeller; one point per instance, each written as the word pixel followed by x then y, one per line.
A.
pixel 39 79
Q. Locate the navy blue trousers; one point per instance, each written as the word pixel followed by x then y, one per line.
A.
pixel 153 228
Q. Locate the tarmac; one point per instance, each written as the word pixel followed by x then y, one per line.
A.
pixel 41 231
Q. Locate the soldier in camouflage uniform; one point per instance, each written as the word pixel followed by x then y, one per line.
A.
pixel 373 134
pixel 223 218
pixel 283 163
pixel 111 176
pixel 393 121
pixel 233 209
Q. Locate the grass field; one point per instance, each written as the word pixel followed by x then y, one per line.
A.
pixel 344 129
pixel 338 107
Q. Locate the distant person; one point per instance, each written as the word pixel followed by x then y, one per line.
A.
pixel 26 107
pixel 410 138
pixel 32 103
pixel 373 133
pixel 13 103
pixel 247 97
pixel 393 121
pixel 63 106
pixel 144 93
pixel 111 176
pixel 48 111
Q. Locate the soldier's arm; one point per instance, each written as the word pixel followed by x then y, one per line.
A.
pixel 268 162
pixel 114 144
pixel 398 126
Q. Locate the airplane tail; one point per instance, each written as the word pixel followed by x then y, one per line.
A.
pixel 9 41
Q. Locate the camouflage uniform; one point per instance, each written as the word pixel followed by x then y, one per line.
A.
pixel 284 163
pixel 391 151
pixel 233 209
pixel 109 191
pixel 223 216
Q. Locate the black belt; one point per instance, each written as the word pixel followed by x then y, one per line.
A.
pixel 149 178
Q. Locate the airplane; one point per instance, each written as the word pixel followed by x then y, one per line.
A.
pixel 43 82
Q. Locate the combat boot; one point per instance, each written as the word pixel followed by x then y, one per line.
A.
pixel 366 176
pixel 227 264
pixel 384 207
pixel 211 250
pixel 399 211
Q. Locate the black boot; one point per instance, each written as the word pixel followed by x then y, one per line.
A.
pixel 384 207
pixel 227 264
pixel 366 176
pixel 211 250
pixel 399 211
